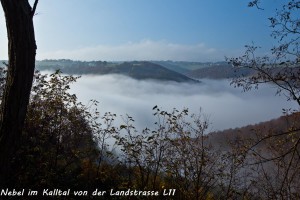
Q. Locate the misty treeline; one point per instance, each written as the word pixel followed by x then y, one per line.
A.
pixel 66 144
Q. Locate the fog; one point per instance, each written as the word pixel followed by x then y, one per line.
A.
pixel 226 106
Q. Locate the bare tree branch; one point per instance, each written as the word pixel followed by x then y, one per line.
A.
pixel 34 7
pixel 255 3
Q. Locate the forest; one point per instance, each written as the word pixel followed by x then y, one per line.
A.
pixel 54 146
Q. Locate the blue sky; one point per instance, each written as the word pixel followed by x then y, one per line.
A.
pixel 115 30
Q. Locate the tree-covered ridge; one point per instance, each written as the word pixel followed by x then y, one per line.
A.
pixel 136 69
pixel 157 70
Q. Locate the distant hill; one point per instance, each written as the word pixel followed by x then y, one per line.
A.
pixel 179 71
pixel 137 69
pixel 223 70
pixel 220 70
pixel 149 70
pixel 174 66
pixel 185 67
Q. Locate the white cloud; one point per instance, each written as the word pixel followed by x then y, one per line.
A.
pixel 143 50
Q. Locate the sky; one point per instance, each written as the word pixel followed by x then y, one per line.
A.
pixel 119 30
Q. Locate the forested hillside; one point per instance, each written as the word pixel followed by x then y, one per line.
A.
pixel 140 70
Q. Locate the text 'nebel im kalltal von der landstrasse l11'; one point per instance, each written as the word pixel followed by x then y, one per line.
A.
pixel 58 192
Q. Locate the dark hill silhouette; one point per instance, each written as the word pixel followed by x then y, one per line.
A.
pixel 149 70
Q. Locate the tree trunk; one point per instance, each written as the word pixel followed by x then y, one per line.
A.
pixel 21 50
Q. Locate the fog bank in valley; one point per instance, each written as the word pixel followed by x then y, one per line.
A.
pixel 226 106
